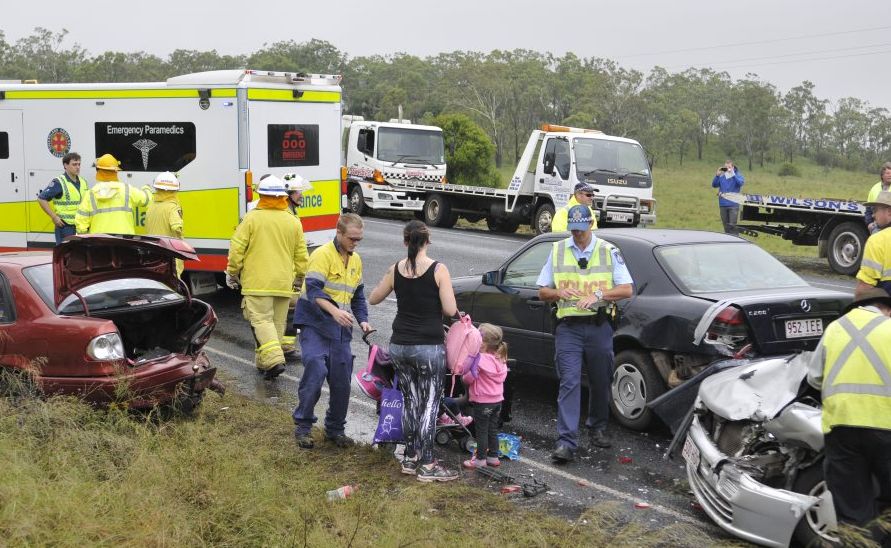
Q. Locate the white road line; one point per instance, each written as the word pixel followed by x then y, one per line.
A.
pixel 526 461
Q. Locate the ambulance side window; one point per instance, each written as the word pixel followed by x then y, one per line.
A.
pixel 524 270
pixel 4 145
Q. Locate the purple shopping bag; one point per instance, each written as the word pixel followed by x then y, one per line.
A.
pixel 389 425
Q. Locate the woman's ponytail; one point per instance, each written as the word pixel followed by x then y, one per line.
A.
pixel 415 235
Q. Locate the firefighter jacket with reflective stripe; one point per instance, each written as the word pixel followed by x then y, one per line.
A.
pixel 327 277
pixel 560 222
pixel 856 359
pixel 108 207
pixel 164 216
pixel 597 274
pixel 266 252
pixel 65 205
pixel 875 269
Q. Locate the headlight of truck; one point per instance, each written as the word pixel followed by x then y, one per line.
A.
pixel 384 196
pixel 106 347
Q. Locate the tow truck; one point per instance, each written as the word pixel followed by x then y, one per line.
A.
pixel 835 226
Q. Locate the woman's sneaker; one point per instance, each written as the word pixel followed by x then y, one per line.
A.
pixel 410 466
pixel 494 462
pixel 474 463
pixel 435 472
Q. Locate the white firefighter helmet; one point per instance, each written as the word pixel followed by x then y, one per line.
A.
pixel 166 181
pixel 272 186
pixel 296 182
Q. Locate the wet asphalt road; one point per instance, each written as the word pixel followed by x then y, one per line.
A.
pixel 598 475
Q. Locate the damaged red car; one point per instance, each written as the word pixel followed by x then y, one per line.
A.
pixel 106 318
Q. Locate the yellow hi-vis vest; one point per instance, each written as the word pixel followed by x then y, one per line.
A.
pixel 341 282
pixel 568 273
pixel 875 267
pixel 857 371
pixel 108 208
pixel 65 206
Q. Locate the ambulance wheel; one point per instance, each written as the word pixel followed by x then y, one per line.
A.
pixel 442 437
pixel 541 221
pixel 356 201
pixel 846 243
pixel 438 211
pixel 636 381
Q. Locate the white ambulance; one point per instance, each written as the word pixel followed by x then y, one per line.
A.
pixel 220 131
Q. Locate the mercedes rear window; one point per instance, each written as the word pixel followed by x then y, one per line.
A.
pixel 715 267
pixel 108 296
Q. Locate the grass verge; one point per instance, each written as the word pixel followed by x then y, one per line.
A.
pixel 231 476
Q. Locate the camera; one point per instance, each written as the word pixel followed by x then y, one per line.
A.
pixel 723 169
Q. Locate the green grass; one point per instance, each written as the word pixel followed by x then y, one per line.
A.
pixel 232 476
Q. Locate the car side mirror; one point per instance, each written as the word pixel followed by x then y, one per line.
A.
pixel 550 159
pixel 491 278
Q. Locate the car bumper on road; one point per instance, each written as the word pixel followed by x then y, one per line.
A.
pixel 144 386
pixel 735 501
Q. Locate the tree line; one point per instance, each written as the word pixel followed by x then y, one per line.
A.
pixel 675 115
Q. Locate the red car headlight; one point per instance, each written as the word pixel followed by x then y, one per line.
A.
pixel 107 347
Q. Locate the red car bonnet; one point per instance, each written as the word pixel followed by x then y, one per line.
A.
pixel 87 259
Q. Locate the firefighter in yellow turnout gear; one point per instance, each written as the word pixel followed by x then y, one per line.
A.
pixel 297 185
pixel 164 216
pixel 266 254
pixel 108 207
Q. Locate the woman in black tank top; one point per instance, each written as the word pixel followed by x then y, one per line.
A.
pixel 423 295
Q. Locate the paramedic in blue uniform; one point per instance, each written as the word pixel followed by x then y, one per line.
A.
pixel 331 302
pixel 585 277
pixel 65 192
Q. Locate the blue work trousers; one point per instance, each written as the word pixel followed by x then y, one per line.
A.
pixel 63 232
pixel 588 346
pixel 324 359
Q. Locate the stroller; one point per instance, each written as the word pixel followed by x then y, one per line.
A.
pixel 379 373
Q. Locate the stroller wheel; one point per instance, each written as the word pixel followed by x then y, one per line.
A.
pixel 442 437
pixel 467 443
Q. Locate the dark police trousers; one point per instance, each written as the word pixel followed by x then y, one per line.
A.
pixel 858 459
pixel 581 343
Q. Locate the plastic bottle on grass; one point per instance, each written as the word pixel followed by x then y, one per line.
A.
pixel 342 492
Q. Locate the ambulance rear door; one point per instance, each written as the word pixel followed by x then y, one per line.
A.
pixel 12 182
pixel 294 132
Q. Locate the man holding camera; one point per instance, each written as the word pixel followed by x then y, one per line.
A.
pixel 728 179
pixel 585 276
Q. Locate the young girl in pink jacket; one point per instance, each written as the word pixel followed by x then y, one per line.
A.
pixel 484 379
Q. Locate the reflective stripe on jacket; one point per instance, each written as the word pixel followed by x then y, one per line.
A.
pixel 568 273
pixel 65 205
pixel 876 264
pixel 108 207
pixel 857 371
pixel 267 252
pixel 560 222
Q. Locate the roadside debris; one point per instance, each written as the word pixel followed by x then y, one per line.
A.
pixel 342 492
pixel 642 505
pixel 624 460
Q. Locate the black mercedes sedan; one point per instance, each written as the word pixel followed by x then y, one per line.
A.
pixel 698 296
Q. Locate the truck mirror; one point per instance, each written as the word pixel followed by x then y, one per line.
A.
pixel 550 159
pixel 490 278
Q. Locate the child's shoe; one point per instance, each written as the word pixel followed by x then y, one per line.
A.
pixel 494 462
pixel 445 420
pixel 474 463
pixel 464 420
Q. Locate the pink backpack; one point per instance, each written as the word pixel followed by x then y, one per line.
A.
pixel 462 341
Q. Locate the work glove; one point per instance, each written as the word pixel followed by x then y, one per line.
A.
pixel 232 281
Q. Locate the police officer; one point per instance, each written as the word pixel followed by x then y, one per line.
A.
pixel 266 252
pixel 584 195
pixel 164 216
pixel 585 276
pixel 883 185
pixel 108 206
pixel 65 191
pixel 297 185
pixel 852 368
pixel 331 302
pixel 875 268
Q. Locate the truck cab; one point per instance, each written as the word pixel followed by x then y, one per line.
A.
pixel 616 167
pixel 378 155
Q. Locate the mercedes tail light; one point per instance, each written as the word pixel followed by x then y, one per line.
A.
pixel 728 332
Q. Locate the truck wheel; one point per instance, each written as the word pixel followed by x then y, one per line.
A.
pixel 813 529
pixel 636 381
pixel 357 201
pixel 438 211
pixel 541 221
pixel 846 243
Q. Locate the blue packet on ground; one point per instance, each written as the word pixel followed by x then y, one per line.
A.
pixel 509 445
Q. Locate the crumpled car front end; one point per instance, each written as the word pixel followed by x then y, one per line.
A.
pixel 754 460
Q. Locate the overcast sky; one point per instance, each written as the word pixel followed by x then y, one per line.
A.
pixel 841 46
